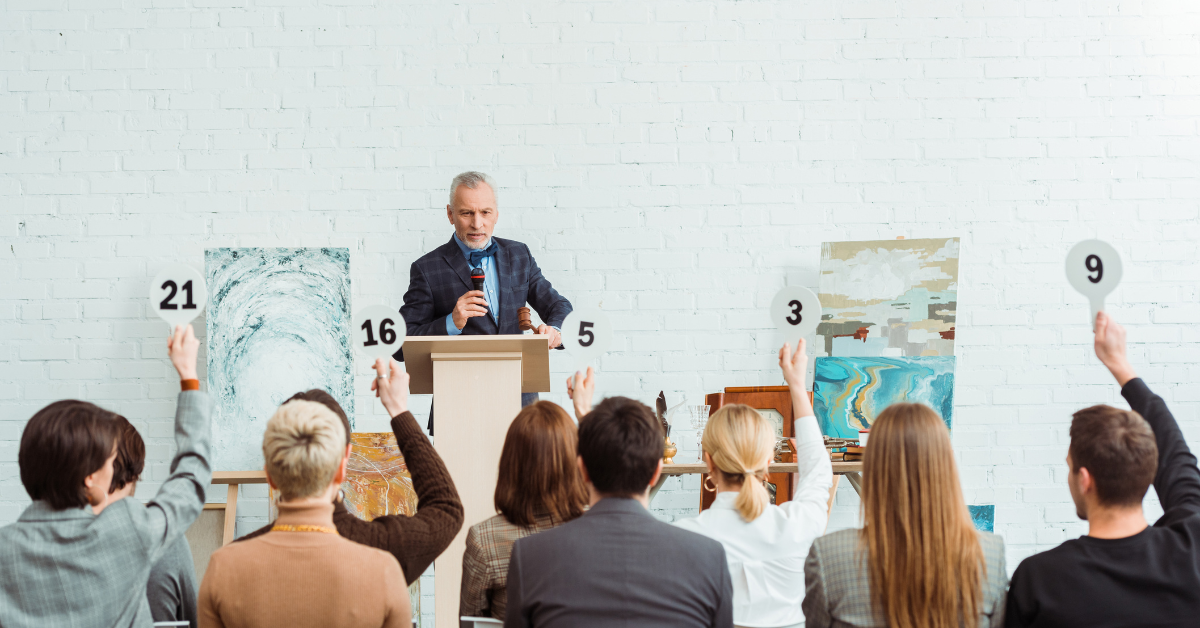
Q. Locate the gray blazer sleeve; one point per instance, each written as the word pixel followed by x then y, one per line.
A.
pixel 181 497
pixel 724 615
pixel 815 606
pixel 515 613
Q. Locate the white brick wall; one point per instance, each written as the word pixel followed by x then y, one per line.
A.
pixel 675 160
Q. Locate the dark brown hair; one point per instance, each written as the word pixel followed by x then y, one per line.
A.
pixel 131 456
pixel 63 444
pixel 1117 448
pixel 621 443
pixel 539 474
pixel 327 400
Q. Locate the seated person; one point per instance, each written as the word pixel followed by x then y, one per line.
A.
pixel 302 573
pixel 1124 572
pixel 61 564
pixel 766 545
pixel 171 590
pixel 417 540
pixel 617 565
pixel 918 560
pixel 538 488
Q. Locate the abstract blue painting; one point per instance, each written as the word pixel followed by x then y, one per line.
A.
pixel 849 392
pixel 984 517
pixel 278 324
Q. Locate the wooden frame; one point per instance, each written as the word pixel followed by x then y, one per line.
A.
pixel 233 479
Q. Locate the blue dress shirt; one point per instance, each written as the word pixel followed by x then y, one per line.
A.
pixel 491 285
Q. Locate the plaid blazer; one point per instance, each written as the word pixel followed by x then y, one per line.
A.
pixel 440 277
pixel 74 569
pixel 485 564
pixel 838 592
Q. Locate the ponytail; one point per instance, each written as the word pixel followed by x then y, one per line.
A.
pixel 741 443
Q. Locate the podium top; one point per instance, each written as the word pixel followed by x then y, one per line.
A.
pixel 534 350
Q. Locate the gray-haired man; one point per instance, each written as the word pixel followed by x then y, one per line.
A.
pixel 441 299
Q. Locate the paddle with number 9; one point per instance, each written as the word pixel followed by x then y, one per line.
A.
pixel 1094 269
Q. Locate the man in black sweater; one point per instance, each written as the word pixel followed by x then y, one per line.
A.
pixel 1124 572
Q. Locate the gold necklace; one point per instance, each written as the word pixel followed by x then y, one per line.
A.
pixel 285 527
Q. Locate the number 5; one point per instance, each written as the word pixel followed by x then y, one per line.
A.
pixel 583 331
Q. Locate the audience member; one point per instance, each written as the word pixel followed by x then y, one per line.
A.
pixel 63 565
pixel 302 573
pixel 1124 572
pixel 617 565
pixel 766 545
pixel 171 590
pixel 925 564
pixel 539 488
pixel 417 540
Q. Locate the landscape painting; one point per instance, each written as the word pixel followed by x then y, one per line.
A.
pixel 889 298
pixel 849 392
pixel 278 323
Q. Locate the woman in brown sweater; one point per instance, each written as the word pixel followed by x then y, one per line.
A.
pixel 302 572
pixel 417 540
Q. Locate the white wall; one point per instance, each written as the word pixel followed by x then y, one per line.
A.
pixel 675 160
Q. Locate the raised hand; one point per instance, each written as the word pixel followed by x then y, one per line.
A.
pixel 555 338
pixel 469 305
pixel 182 348
pixel 1110 348
pixel 392 391
pixel 795 373
pixel 580 389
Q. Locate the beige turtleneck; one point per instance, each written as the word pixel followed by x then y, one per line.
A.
pixel 303 579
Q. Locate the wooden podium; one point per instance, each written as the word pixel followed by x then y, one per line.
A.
pixel 476 382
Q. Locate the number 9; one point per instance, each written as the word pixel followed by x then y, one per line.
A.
pixel 1093 264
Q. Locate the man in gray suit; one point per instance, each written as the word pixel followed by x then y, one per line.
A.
pixel 617 565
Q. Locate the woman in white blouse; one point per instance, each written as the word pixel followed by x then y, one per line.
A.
pixel 766 545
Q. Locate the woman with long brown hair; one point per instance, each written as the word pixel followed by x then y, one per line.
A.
pixel 918 561
pixel 539 488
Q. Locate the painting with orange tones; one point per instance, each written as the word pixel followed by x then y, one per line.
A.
pixel 377 478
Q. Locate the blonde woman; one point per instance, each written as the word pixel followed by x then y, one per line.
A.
pixel 302 573
pixel 765 545
pixel 917 562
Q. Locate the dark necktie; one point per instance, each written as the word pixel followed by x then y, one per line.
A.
pixel 477 256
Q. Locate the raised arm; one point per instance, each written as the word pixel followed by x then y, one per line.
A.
pixel 580 390
pixel 815 471
pixel 417 540
pixel 1177 480
pixel 179 501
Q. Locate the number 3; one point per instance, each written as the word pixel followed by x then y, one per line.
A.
pixel 1094 265
pixel 583 331
pixel 796 307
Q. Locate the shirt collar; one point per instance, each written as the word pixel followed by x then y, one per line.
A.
pixel 618 505
pixel 466 250
pixel 320 514
pixel 724 499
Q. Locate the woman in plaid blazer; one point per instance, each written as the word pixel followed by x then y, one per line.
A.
pixel 918 561
pixel 539 488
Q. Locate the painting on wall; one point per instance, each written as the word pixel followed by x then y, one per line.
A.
pixel 849 392
pixel 278 324
pixel 889 298
pixel 984 517
pixel 377 479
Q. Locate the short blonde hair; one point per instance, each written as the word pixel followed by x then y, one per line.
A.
pixel 742 443
pixel 302 447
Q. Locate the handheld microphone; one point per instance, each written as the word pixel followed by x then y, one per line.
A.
pixel 477 277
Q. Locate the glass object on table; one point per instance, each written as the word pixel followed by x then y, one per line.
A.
pixel 698 417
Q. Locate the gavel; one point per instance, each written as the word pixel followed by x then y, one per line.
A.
pixel 525 320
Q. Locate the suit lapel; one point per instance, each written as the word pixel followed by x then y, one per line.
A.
pixel 454 257
pixel 503 264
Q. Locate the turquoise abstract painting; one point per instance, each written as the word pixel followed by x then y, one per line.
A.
pixel 984 517
pixel 849 392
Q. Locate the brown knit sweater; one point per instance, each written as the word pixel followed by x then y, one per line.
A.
pixel 415 541
pixel 303 579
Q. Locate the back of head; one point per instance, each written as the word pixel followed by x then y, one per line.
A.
pixel 741 443
pixel 621 443
pixel 63 444
pixel 302 448
pixel 538 471
pixel 131 456
pixel 925 561
pixel 327 400
pixel 1117 448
